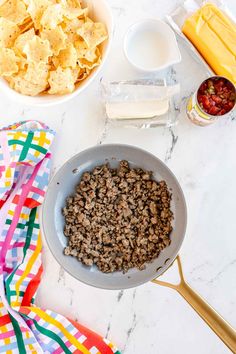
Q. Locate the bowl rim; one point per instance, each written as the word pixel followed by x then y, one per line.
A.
pixel 174 254
pixel 20 98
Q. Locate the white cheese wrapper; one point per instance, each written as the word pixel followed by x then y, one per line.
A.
pixel 134 91
pixel 137 99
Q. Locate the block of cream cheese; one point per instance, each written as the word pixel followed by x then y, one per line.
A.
pixel 141 109
pixel 213 33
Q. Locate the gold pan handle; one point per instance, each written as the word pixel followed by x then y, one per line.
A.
pixel 222 328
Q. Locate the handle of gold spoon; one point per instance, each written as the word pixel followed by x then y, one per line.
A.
pixel 222 328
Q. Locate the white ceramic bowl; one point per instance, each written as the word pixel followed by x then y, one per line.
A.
pixel 99 10
pixel 150 45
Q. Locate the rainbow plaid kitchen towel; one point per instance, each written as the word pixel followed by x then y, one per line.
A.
pixel 25 163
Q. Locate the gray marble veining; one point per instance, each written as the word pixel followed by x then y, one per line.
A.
pixel 151 319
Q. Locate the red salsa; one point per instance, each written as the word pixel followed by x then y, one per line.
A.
pixel 216 96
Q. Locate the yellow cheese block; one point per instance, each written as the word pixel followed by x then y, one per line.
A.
pixel 213 33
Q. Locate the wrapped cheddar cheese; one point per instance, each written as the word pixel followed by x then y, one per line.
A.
pixel 213 33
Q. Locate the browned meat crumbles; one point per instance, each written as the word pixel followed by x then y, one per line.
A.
pixel 118 218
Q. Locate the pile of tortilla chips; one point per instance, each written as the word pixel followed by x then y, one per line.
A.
pixel 47 46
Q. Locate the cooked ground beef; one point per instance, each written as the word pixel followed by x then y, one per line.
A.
pixel 118 218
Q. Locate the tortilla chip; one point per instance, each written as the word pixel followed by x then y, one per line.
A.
pixel 72 13
pixel 61 81
pixel 67 57
pixel 83 52
pixel 36 10
pixel 23 39
pixel 76 73
pixel 94 33
pixel 56 37
pixel 70 27
pixel 26 25
pixel 14 10
pixel 21 60
pixel 8 62
pixel 8 33
pixel 20 84
pixel 37 50
pixel 37 73
pixel 83 74
pixel 52 16
pixel 85 64
pixel 76 4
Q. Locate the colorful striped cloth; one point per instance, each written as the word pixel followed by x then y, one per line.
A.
pixel 25 163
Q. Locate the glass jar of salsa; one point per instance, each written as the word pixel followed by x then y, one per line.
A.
pixel 216 97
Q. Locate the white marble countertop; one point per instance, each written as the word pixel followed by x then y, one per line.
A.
pixel 151 319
